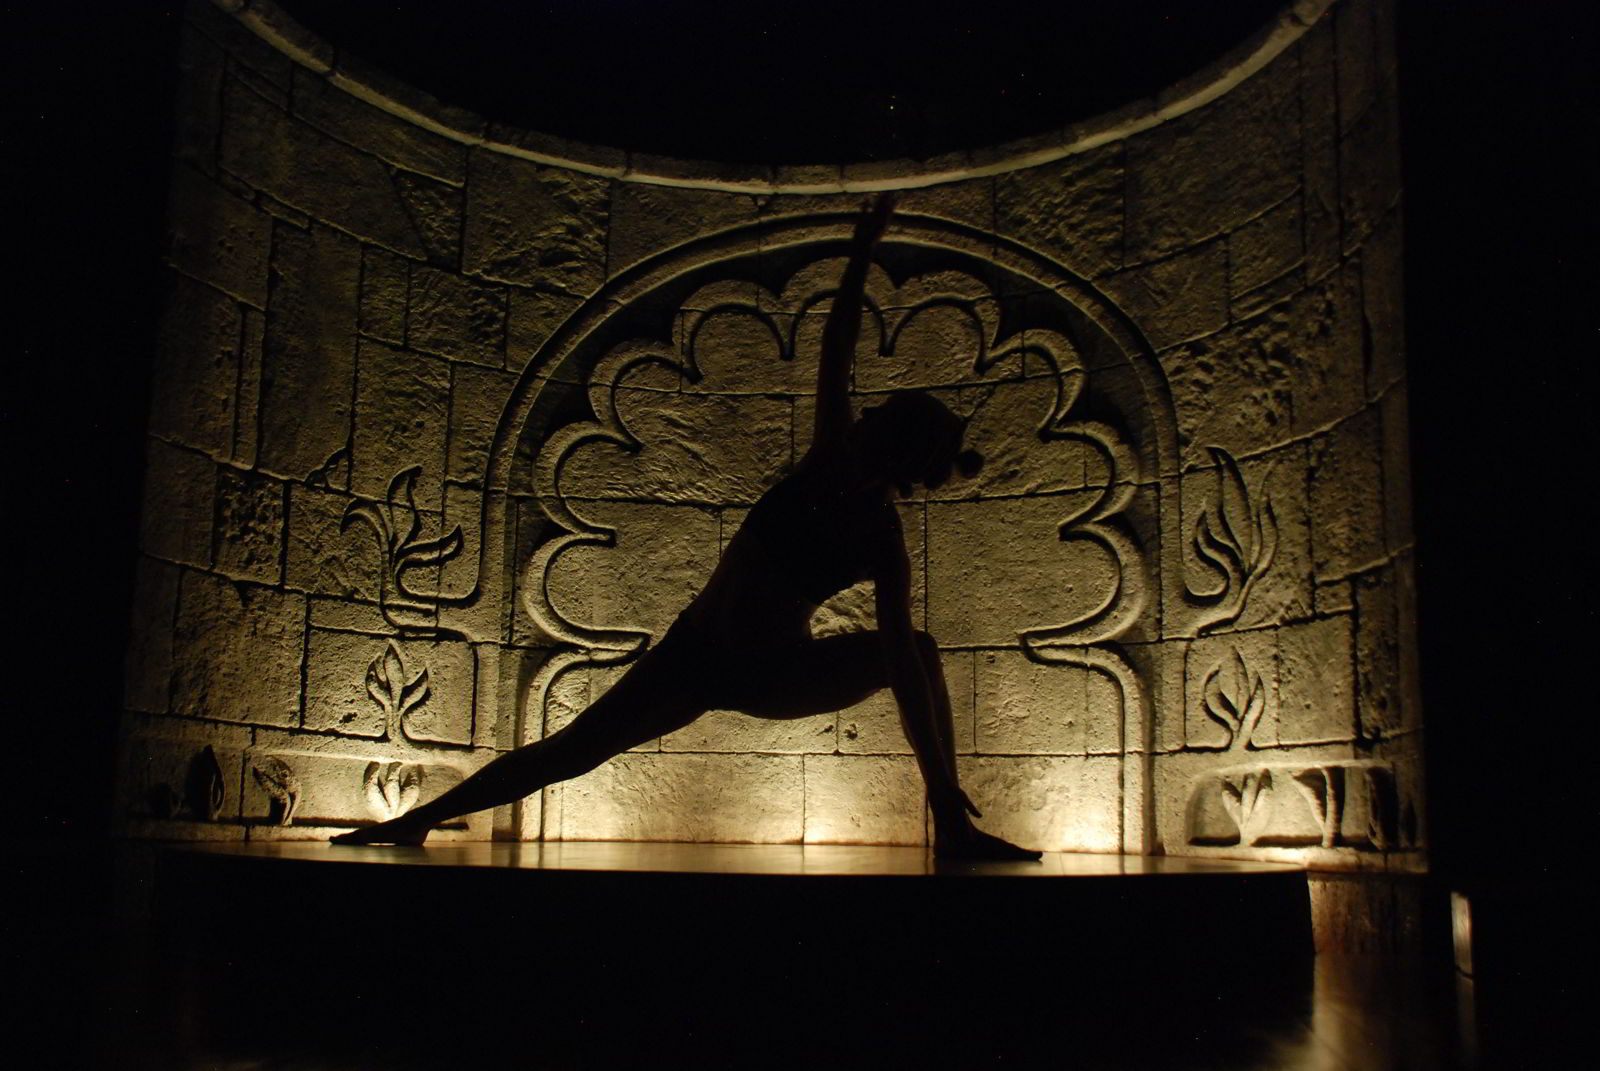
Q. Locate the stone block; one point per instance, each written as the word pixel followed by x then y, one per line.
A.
pixel 1174 300
pixel 971 202
pixel 434 209
pixel 306 169
pixel 385 291
pixel 646 219
pixel 535 226
pixel 217 237
pixel 1326 350
pixel 237 652
pixel 1070 209
pixel 189 781
pixel 249 520
pixel 1029 708
pixel 1346 480
pixel 247 406
pixel 1369 170
pixel 997 568
pixel 1108 716
pixel 1379 692
pixel 1004 428
pixel 195 381
pixel 179 497
pixel 665 552
pixel 694 448
pixel 309 353
pixel 1319 125
pixel 324 558
pixel 456 317
pixel 1315 690
pixel 1231 692
pixel 1160 668
pixel 336 790
pixel 1050 803
pixel 1265 248
pixel 394 689
pixel 402 419
pixel 359 124
pixel 872 726
pixel 1206 172
pixel 148 667
pixel 929 347
pixel 742 798
pixel 534 316
pixel 740 351
pixel 1233 390
pixel 1394 411
pixel 863 799
pixel 1383 304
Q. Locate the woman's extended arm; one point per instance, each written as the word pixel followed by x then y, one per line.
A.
pixel 843 327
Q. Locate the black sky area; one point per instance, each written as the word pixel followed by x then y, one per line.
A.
pixel 1499 160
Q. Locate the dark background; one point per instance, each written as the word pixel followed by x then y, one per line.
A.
pixel 1500 168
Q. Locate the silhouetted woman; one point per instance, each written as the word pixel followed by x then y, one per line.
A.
pixel 744 643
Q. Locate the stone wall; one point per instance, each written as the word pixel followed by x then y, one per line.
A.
pixel 451 420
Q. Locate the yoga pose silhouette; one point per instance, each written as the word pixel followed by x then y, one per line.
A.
pixel 744 643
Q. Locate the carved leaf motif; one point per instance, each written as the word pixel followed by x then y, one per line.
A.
pixel 391 788
pixel 1322 788
pixel 1237 702
pixel 390 686
pixel 203 787
pixel 281 784
pixel 397 524
pixel 1243 796
pixel 1235 537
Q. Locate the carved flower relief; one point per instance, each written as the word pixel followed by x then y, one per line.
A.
pixel 391 788
pixel 282 786
pixel 1234 540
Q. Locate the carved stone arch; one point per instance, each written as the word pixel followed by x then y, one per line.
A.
pixel 1073 407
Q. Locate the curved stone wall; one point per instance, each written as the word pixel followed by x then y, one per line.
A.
pixel 445 433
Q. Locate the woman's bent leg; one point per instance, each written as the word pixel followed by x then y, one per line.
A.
pixel 652 699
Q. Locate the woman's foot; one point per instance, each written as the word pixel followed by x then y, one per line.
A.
pixel 966 841
pixel 394 831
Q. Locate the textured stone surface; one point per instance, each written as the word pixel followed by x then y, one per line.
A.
pixel 309 358
pixel 218 238
pixel 1379 699
pixel 535 226
pixel 533 318
pixel 385 289
pixel 1210 170
pixel 756 798
pixel 359 124
pixel 249 526
pixel 402 419
pixel 1264 249
pixel 456 317
pixel 1047 803
pixel 1346 516
pixel 1071 209
pixel 1029 708
pixel 646 219
pixel 863 799
pixel 323 558
pixel 666 552
pixel 179 497
pixel 998 568
pixel 196 383
pixel 376 686
pixel 694 448
pixel 148 667
pixel 237 652
pixel 1182 297
pixel 477 398
pixel 309 171
pixel 1315 693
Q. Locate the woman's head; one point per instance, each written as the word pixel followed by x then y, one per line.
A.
pixel 916 440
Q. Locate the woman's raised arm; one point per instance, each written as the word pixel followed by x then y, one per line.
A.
pixel 844 327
